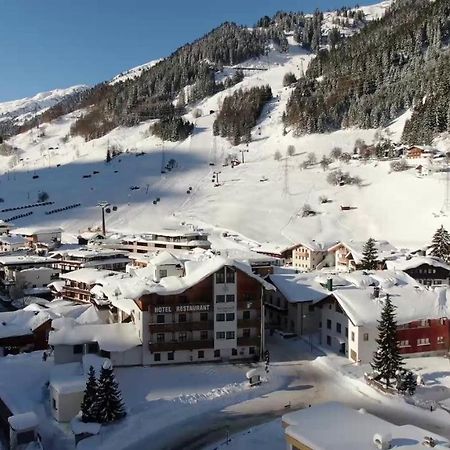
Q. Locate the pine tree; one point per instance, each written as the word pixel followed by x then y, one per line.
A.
pixel 440 245
pixel 387 359
pixel 89 399
pixel 108 406
pixel 410 382
pixel 370 255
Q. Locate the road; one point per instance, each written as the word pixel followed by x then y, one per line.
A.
pixel 304 383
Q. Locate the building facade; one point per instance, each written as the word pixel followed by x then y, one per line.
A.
pixel 219 318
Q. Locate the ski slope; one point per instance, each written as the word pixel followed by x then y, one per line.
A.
pixel 400 207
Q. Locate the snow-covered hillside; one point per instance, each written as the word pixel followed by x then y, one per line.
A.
pixel 25 108
pixel 258 201
pixel 133 72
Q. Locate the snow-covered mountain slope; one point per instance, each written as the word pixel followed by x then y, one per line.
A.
pixel 133 72
pixel 26 108
pixel 258 201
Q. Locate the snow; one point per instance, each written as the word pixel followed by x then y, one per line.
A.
pixel 23 422
pixel 299 287
pixel 80 427
pixel 22 322
pixel 412 302
pixel 414 262
pixel 88 275
pixel 384 249
pixel 12 239
pixel 165 258
pixel 111 337
pixel 134 72
pixel 28 107
pixel 347 428
pixel 11 260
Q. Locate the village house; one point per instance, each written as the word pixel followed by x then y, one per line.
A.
pixel 26 275
pixel 427 270
pixel 414 152
pixel 282 254
pixel 98 258
pixel 5 227
pixel 347 428
pixel 165 239
pixel 40 239
pixel 290 309
pixel 10 243
pixel 349 317
pixel 213 312
pixel 312 256
pixel 348 255
pixel 78 284
pixel 88 237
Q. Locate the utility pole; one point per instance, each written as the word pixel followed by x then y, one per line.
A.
pixel 103 206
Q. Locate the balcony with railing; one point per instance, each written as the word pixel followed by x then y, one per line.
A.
pixel 173 327
pixel 177 345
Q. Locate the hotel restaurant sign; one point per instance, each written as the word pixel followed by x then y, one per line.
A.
pixel 180 309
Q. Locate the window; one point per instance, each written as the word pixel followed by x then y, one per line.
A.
pixel 320 324
pixel 201 354
pixel 230 275
pixel 424 323
pixel 353 336
pixel 160 318
pixel 182 336
pixel 181 317
pixel 220 276
pixel 157 357
pixel 246 332
pixel 346 332
pixel 246 315
pixel 77 349
pixel 230 317
pixel 403 344
pixel 328 340
pixel 216 353
pixel 440 340
pixel 329 324
pixel 338 328
pixel 170 356
pixel 234 352
pixel 251 350
pixel 220 335
pixel 54 404
pixel 423 341
pixel 92 347
pixel 204 335
pixel 105 354
pixel 203 316
pixel 365 336
pixel 230 298
pixel 220 298
pixel 162 273
pixel 220 317
pixel 230 334
pixel 160 337
pixel 311 308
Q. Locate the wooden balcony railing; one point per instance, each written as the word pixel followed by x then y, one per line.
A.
pixel 181 326
pixel 174 346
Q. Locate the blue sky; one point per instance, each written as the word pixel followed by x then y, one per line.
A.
pixel 59 43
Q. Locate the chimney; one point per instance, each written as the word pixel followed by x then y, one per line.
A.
pixel 330 284
pixel 376 292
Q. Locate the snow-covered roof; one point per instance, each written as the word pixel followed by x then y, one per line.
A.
pixel 22 322
pixel 165 258
pixel 347 428
pixel 35 231
pixel 12 239
pixel 384 249
pixel 14 260
pixel 23 422
pixel 111 337
pixel 58 285
pixel 412 301
pixel 298 288
pixel 88 253
pixel 416 261
pixel 88 275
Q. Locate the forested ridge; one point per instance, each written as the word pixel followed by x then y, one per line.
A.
pixel 394 63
